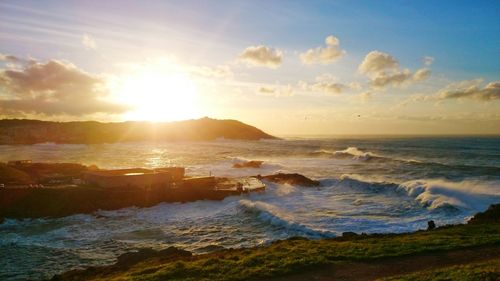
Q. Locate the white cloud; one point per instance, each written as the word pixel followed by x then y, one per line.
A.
pixel 277 91
pixel 328 87
pixel 421 74
pixel 383 70
pixel 471 89
pixel 396 78
pixel 323 55
pixel 376 62
pixel 89 42
pixel 262 56
pixel 328 84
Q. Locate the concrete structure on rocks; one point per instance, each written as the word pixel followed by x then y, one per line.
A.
pixel 137 177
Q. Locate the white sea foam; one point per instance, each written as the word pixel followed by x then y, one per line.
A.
pixel 273 215
pixel 469 195
pixel 225 168
pixel 355 153
pixel 349 153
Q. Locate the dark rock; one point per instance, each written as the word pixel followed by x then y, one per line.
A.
pixel 249 164
pixel 294 179
pixel 431 225
pixel 210 248
pixel 173 252
pixel 132 258
pixel 129 259
pixel 492 215
pixel 349 234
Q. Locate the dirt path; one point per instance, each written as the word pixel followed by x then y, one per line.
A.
pixel 387 267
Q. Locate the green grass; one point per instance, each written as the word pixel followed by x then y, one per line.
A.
pixel 297 255
pixel 485 271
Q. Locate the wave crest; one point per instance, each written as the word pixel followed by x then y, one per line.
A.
pixel 468 195
pixel 272 215
pixel 348 153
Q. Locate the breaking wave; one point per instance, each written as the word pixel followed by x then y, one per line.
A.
pixel 348 153
pixel 274 216
pixel 468 195
pixel 353 153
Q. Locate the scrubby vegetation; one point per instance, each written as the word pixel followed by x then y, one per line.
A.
pixel 296 255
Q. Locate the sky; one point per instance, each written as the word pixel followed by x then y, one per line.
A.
pixel 287 67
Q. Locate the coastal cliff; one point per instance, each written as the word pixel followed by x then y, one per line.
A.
pixel 23 131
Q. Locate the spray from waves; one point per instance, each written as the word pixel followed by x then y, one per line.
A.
pixel 224 168
pixel 349 153
pixel 353 153
pixel 276 217
pixel 467 195
pixel 357 154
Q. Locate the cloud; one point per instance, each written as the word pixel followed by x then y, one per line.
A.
pixel 396 78
pixel 220 71
pixel 366 96
pixel 328 87
pixel 277 91
pixel 323 55
pixel 328 84
pixel 383 70
pixel 53 88
pixel 262 56
pixel 471 89
pixel 428 60
pixel 376 62
pixel 355 86
pixel 9 58
pixel 89 42
pixel 421 74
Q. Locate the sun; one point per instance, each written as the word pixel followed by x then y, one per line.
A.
pixel 160 91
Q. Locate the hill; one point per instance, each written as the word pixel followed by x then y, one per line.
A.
pixel 23 131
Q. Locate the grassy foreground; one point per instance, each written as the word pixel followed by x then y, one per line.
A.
pixel 484 271
pixel 297 255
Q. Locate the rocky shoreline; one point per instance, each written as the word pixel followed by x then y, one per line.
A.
pixel 34 195
pixel 130 261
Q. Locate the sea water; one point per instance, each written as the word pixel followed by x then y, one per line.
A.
pixel 371 185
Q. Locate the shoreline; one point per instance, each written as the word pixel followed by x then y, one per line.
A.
pixel 115 189
pixel 299 258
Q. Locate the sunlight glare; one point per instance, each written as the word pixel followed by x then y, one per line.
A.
pixel 159 91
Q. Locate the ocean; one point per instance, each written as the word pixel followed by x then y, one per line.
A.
pixel 368 184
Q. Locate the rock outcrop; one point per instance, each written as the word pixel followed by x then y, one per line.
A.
pixel 293 179
pixel 492 215
pixel 249 164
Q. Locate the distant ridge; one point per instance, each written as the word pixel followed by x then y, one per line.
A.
pixel 25 131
